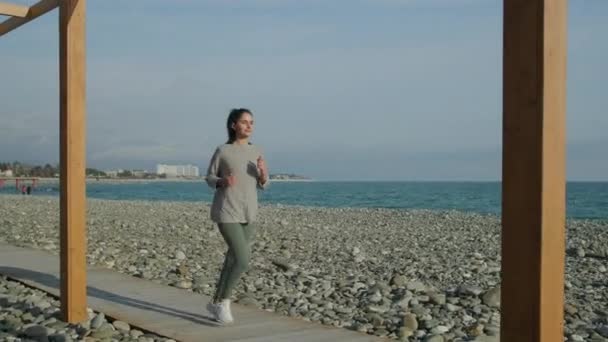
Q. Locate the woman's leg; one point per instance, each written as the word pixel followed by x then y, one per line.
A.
pixel 221 284
pixel 249 229
pixel 239 252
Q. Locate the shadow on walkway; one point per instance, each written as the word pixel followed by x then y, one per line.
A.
pixel 52 281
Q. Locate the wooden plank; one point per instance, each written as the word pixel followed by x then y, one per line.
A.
pixel 72 103
pixel 533 188
pixel 13 10
pixel 166 310
pixel 35 11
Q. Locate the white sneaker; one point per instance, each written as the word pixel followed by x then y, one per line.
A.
pixel 221 311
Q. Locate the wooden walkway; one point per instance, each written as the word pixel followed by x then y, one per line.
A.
pixel 165 310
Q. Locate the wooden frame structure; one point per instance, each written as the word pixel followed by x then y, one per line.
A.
pixel 533 187
pixel 72 129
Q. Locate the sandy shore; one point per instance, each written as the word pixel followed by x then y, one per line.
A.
pixel 412 275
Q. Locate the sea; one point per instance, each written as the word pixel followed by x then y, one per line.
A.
pixel 585 200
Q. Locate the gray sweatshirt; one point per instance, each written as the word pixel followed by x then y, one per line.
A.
pixel 237 203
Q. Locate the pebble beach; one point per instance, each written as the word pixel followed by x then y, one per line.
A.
pixel 408 275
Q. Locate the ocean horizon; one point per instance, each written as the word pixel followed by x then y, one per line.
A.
pixel 585 199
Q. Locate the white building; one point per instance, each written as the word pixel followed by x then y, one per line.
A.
pixel 177 170
pixel 7 173
pixel 139 173
pixel 112 173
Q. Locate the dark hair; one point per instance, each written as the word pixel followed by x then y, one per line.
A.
pixel 234 116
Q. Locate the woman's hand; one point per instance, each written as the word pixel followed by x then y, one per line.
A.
pixel 263 169
pixel 227 181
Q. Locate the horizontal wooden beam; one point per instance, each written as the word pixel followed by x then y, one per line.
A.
pixel 13 10
pixel 35 11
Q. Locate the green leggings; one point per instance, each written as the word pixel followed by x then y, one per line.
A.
pixel 239 237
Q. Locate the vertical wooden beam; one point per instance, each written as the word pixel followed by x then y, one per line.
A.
pixel 72 67
pixel 533 188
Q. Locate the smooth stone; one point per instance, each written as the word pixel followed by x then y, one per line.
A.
pixel 475 330
pixel 570 309
pixel 183 284
pixel 343 310
pixel 404 303
pixel 376 297
pixel 603 331
pixel 404 333
pixel 430 323
pixel 485 338
pixel 410 322
pixel 97 322
pixel 469 290
pixel 492 298
pixel 399 280
pixel 36 331
pixel 416 286
pixel 576 338
pixel 580 252
pixel 440 329
pixel 438 298
pixel 434 338
pixel 27 317
pixel 283 264
pixel 105 331
pixel 121 326
pixel 381 332
pixel 378 309
pixel 135 333
pixel 248 301
pixel 179 255
pixel 492 330
pixel 183 270
pixel 43 304
pixel 452 307
pixel 376 320
pixel 60 338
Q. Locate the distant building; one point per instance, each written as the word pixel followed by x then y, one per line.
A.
pixel 177 170
pixel 7 173
pixel 113 173
pixel 139 173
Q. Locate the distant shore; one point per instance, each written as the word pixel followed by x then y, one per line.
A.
pixel 150 180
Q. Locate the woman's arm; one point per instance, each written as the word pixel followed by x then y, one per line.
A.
pixel 213 179
pixel 263 177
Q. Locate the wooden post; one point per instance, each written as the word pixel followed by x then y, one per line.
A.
pixel 533 188
pixel 72 100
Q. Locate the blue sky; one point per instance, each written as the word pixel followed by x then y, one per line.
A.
pixel 357 89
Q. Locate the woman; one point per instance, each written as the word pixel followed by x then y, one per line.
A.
pixel 237 169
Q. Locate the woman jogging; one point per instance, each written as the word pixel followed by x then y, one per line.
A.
pixel 236 170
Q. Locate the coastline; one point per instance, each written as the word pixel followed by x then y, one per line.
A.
pixel 361 269
pixel 151 180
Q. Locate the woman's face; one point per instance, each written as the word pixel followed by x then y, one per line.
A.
pixel 244 126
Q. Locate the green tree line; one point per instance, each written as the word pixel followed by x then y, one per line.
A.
pixel 47 171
